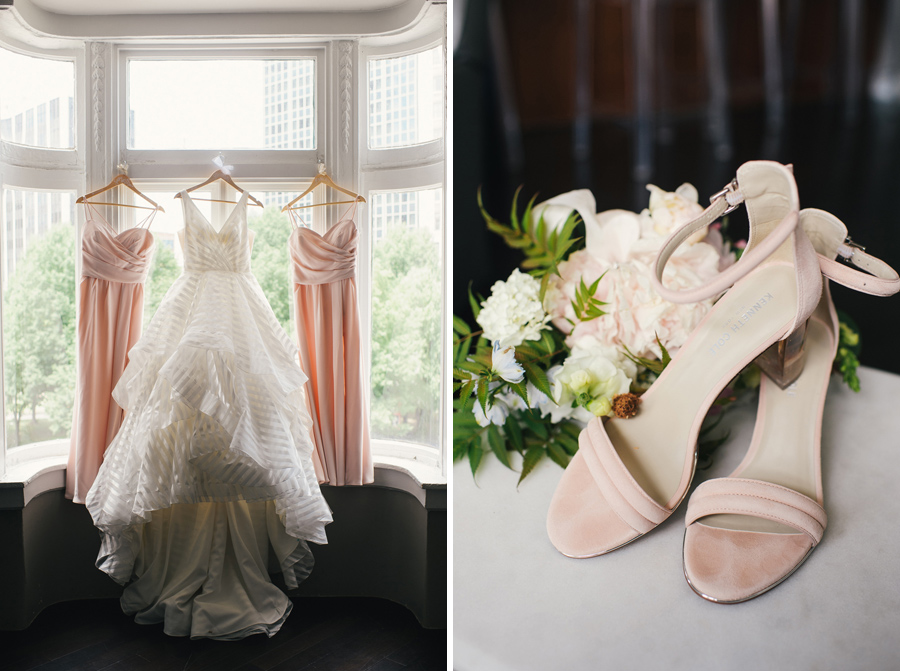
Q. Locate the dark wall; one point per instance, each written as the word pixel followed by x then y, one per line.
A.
pixel 383 543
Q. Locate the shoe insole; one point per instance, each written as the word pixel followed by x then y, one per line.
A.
pixel 658 444
pixel 786 436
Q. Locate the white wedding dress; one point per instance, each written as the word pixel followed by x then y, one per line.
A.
pixel 209 483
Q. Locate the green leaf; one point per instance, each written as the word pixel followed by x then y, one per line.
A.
pixel 537 376
pixel 532 457
pixel 475 455
pixel 498 445
pixel 514 433
pixel 460 326
pixel 474 304
pixel 460 449
pixel 548 344
pixel 534 424
pixel 665 359
pixel 482 393
pixel 569 444
pixel 540 233
pixel 557 454
pixel 571 428
pixel 513 212
pixel 545 281
pixel 585 306
pixel 656 366
pixel 848 363
pixel 465 392
pixel 521 391
pixel 469 367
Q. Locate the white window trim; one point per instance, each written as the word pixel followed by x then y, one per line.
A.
pixel 412 168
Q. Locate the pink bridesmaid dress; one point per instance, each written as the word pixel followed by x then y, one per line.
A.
pixel 111 302
pixel 327 318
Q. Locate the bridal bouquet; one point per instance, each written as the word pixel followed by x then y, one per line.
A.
pixel 581 333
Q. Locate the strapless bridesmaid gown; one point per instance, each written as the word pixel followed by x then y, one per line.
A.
pixel 327 318
pixel 111 304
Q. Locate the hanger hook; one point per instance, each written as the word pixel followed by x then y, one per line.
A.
pixel 320 165
pixel 123 167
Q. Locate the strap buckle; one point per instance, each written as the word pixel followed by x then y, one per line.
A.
pixel 731 187
pixel 848 247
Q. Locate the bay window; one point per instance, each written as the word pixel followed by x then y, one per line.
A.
pixel 371 111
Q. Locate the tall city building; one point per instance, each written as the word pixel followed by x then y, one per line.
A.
pixel 290 91
pixel 50 124
pixel 28 215
pixel 405 108
pixel 290 96
pixel 406 209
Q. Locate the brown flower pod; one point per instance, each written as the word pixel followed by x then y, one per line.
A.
pixel 626 405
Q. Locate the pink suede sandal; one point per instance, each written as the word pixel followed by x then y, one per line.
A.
pixel 629 475
pixel 748 532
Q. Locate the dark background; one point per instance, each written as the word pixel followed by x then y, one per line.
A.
pixel 612 95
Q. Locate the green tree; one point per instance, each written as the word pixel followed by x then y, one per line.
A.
pixel 406 336
pixel 271 262
pixel 163 273
pixel 39 352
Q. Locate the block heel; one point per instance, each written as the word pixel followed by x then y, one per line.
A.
pixel 783 361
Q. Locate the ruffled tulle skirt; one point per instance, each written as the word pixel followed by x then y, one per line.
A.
pixel 209 483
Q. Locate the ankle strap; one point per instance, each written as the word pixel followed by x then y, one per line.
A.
pixel 879 279
pixel 723 202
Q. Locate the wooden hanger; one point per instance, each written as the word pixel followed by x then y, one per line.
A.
pixel 225 177
pixel 124 180
pixel 323 178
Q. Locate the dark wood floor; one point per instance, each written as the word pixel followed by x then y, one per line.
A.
pixel 320 634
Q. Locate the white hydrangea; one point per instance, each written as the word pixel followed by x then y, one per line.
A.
pixel 513 312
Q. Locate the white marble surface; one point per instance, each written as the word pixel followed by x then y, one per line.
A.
pixel 518 604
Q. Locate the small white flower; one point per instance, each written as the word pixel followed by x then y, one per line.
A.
pixel 536 398
pixel 503 363
pixel 513 312
pixel 513 401
pixel 559 408
pixel 496 414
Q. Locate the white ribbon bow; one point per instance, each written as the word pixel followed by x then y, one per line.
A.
pixel 220 162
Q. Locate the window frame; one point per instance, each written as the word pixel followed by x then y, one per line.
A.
pixel 42 169
pixel 412 168
pixel 398 157
pixel 295 163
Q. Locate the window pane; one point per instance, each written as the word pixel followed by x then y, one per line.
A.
pixel 39 296
pixel 37 101
pixel 406 315
pixel 224 104
pixel 270 261
pixel 406 99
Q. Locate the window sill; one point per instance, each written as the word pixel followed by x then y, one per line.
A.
pixel 39 468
